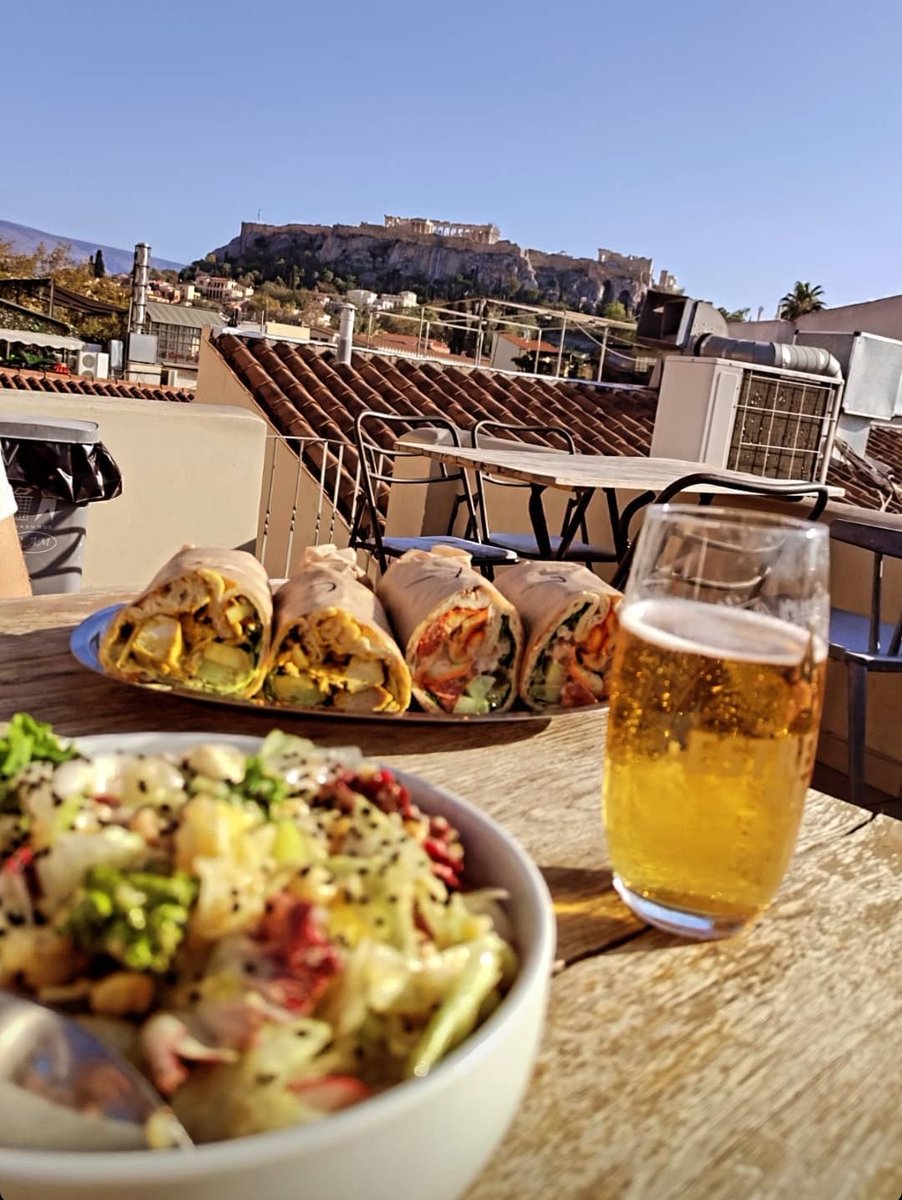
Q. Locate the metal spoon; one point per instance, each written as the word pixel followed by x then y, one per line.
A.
pixel 63 1089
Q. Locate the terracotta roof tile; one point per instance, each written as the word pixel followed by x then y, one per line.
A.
pixel 80 385
pixel 306 392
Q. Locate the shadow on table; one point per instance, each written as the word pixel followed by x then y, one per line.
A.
pixel 591 917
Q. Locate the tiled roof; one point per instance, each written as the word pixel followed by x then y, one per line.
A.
pixel 878 483
pixel 526 344
pixel 307 393
pixel 409 343
pixel 83 385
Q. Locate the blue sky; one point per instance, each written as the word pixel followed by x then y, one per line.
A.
pixel 740 151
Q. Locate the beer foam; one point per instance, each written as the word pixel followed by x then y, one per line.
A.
pixel 719 631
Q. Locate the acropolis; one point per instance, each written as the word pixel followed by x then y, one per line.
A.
pixel 488 234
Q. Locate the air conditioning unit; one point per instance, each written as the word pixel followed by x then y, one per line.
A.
pixel 93 363
pixel 763 420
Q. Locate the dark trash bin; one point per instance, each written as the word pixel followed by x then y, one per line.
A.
pixel 56 469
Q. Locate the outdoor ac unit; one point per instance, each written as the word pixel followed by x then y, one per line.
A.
pixel 762 420
pixel 94 363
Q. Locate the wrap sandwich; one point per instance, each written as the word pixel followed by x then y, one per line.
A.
pixel 332 646
pixel 460 637
pixel 570 621
pixel 202 623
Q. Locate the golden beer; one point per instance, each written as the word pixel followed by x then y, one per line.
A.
pixel 711 743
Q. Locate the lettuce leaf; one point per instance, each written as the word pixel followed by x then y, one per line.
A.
pixel 24 741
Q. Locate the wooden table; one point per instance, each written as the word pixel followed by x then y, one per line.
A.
pixel 585 474
pixel 767 1067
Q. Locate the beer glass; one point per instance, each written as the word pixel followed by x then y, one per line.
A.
pixel 716 691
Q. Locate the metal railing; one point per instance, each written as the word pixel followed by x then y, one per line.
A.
pixel 310 497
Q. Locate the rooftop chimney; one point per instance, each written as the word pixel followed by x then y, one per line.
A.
pixel 345 332
pixel 140 274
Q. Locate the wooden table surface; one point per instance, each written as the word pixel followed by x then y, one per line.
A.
pixel 562 470
pixel 766 1067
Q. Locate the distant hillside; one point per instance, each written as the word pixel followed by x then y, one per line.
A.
pixel 26 241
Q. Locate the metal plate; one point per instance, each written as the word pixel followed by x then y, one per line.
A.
pixel 85 641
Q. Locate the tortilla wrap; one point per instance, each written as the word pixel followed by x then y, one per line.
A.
pixel 332 645
pixel 570 621
pixel 203 623
pixel 460 637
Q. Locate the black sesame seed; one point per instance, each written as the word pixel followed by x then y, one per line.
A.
pixel 57 800
pixel 15 918
pixel 302 1033
pixel 194 995
pixel 142 785
pixel 236 907
pixel 40 919
pixel 303 871
pixel 263 1080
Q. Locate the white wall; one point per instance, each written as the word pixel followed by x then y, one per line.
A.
pixel 883 317
pixel 189 474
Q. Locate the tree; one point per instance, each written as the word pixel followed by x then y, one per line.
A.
pixel 99 265
pixel 615 310
pixel 804 298
pixel 734 316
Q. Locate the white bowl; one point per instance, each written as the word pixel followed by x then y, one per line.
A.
pixel 426 1139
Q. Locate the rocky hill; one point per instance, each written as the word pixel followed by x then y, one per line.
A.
pixel 388 259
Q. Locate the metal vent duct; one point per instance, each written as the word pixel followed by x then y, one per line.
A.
pixel 783 355
pixel 140 278
pixel 345 332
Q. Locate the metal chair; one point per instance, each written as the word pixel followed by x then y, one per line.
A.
pixel 865 643
pixel 563 545
pixel 377 472
pixel 774 488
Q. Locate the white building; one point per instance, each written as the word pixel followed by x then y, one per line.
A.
pixel 220 287
pixel 361 297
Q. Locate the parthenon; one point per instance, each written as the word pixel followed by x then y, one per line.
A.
pixel 475 233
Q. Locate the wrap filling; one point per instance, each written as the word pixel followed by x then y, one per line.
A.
pixel 570 671
pixel 193 630
pixel 329 660
pixel 464 660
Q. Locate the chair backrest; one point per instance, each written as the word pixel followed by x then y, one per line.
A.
pixel 486 430
pixel 780 489
pixel 883 542
pixel 776 488
pixel 376 435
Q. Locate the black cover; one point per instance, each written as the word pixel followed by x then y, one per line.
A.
pixel 75 472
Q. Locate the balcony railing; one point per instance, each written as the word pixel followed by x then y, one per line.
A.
pixel 310 497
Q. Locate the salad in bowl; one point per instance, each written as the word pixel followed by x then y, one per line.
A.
pixel 270 933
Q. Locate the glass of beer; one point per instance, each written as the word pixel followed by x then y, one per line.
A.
pixel 716 691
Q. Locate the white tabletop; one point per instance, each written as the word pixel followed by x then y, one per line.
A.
pixel 559 469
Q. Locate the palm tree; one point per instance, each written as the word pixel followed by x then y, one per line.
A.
pixel 804 298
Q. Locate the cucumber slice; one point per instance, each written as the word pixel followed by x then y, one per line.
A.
pixel 469 706
pixel 479 687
